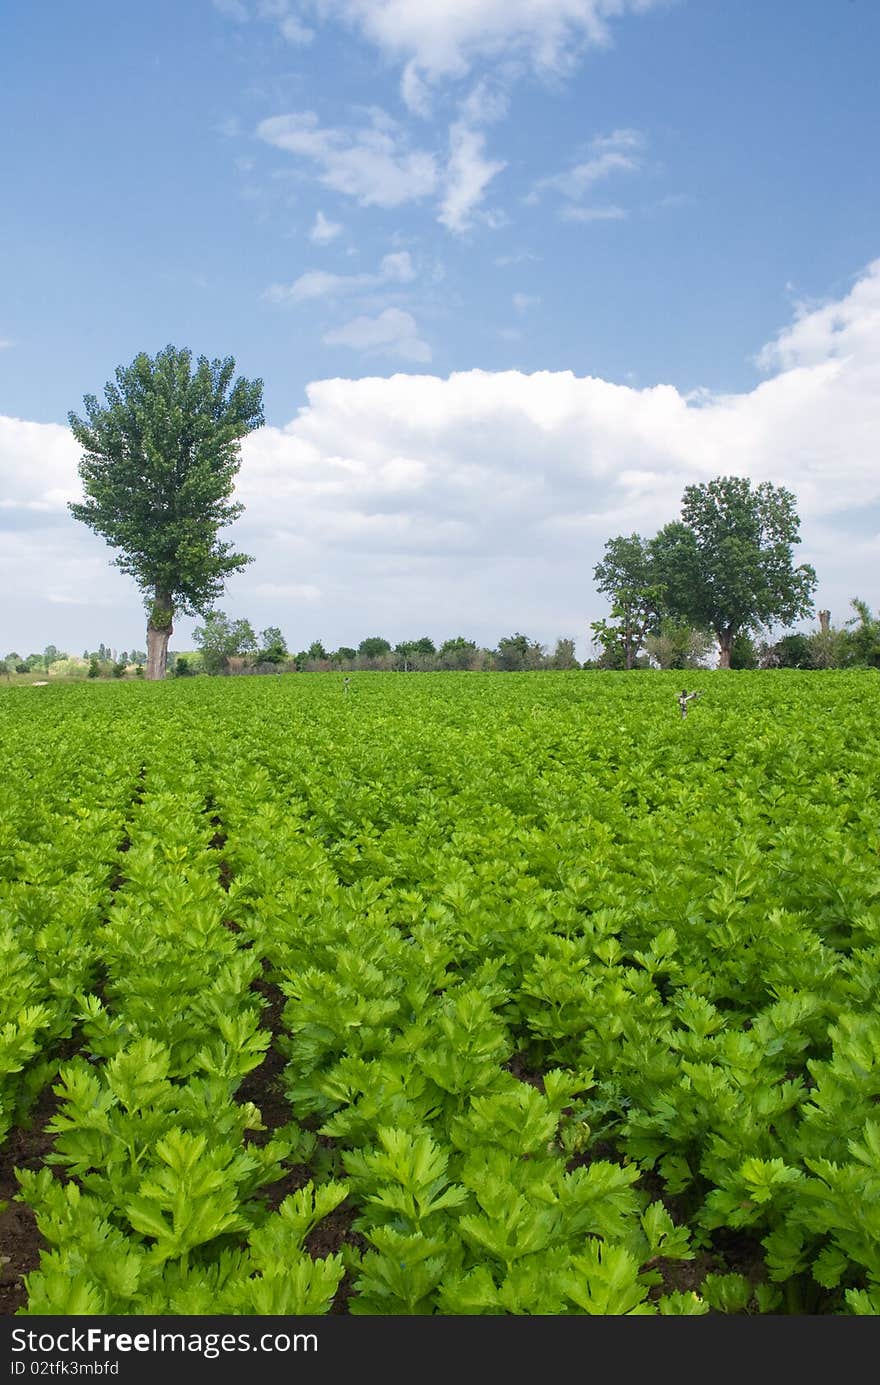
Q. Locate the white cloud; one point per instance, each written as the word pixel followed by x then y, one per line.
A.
pixel 323 230
pixel 289 23
pixel 288 591
pixel 5 343
pixel 517 257
pixel 396 268
pixel 439 41
pixel 614 153
pixel 372 164
pixel 835 331
pixel 415 91
pixel 618 140
pixel 393 333
pixel 588 214
pixel 232 9
pixel 294 32
pixel 523 301
pixel 480 502
pixel 375 165
pixel 485 104
pixel 37 466
pixel 468 174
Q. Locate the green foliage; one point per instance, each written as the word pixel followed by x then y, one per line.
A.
pixel 572 994
pixel 627 578
pixel 677 645
pixel 792 651
pixel 743 652
pixel 373 647
pixel 864 635
pixel 158 465
pixel 517 652
pixel 457 653
pixel 727 564
pixel 272 646
pixel 220 639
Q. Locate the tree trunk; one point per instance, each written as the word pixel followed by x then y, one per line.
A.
pixel 725 640
pixel 159 631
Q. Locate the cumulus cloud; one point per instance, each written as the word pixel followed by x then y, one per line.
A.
pixel 323 230
pixel 372 164
pixel 393 333
pixel 444 41
pixel 396 268
pixel 841 330
pixel 480 502
pixel 37 469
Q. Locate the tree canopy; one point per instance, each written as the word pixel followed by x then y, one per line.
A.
pixel 725 566
pixel 158 469
pixel 626 576
pixel 221 639
pixel 728 563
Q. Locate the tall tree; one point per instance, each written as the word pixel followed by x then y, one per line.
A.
pixel 728 563
pixel 626 576
pixel 158 469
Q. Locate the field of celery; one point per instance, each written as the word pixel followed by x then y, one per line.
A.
pixel 445 994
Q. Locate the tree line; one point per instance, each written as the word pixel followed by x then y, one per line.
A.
pixel 225 645
pixel 158 467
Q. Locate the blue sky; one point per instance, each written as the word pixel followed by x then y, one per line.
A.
pixel 464 245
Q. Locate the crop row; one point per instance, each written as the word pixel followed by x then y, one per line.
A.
pixel 578 1002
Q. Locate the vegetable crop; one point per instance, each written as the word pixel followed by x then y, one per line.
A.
pixel 460 995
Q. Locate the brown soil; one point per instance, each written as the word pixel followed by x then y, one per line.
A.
pixel 684 1276
pixel 20 1241
pixel 517 1066
pixel 328 1238
pixel 263 1085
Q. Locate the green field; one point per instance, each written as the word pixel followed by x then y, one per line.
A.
pixel 451 993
